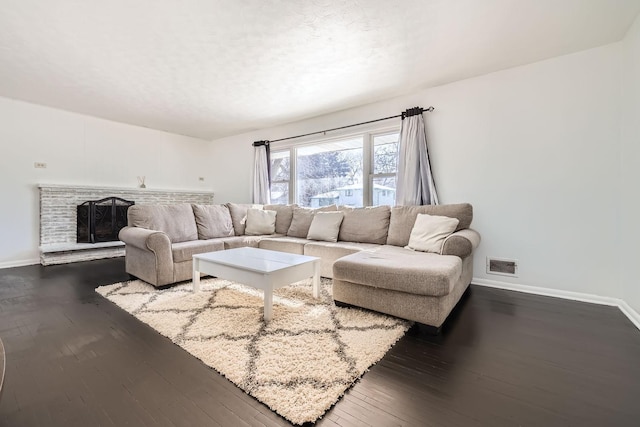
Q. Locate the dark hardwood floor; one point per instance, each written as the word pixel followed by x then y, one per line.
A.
pixel 502 359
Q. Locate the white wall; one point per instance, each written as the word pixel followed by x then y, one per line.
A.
pixel 630 171
pixel 535 149
pixel 80 150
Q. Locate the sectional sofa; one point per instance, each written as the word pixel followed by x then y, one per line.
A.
pixel 366 256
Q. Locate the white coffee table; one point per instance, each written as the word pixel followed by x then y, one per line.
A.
pixel 259 268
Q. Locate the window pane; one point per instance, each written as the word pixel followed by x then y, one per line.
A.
pixel 385 153
pixel 384 191
pixel 326 173
pixel 280 166
pixel 280 193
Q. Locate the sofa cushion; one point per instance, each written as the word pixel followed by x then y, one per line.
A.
pixel 283 217
pixel 260 222
pixel 329 252
pixel 293 245
pixel 240 241
pixel 238 213
pixel 365 225
pixel 213 221
pixel 325 226
pixel 302 218
pixel 184 251
pixel 176 221
pixel 399 269
pixel 404 217
pixel 430 231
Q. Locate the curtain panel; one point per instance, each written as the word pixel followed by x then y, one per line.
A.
pixel 415 184
pixel 261 173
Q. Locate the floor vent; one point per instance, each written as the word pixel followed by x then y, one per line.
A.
pixel 502 266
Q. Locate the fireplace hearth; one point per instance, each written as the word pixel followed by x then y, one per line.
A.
pixel 101 220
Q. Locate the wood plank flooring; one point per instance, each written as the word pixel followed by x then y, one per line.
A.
pixel 503 359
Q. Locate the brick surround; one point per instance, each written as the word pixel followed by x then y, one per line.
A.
pixel 58 218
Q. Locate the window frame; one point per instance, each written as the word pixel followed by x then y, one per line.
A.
pixel 368 135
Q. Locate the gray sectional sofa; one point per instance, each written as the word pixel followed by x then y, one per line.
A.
pixel 369 263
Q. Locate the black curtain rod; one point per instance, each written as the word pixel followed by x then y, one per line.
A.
pixel 410 112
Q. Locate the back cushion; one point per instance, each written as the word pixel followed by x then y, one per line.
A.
pixel 213 221
pixel 284 215
pixel 404 217
pixel 177 221
pixel 365 225
pixel 238 213
pixel 302 218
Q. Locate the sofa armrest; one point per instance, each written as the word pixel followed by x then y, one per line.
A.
pixel 462 243
pixel 150 257
pixel 149 240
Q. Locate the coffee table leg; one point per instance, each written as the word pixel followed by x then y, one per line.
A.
pixel 196 275
pixel 268 304
pixel 316 279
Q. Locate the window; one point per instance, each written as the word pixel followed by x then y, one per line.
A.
pixel 356 171
pixel 280 176
pixel 385 167
pixel 325 170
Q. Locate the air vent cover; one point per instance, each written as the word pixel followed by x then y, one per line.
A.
pixel 502 266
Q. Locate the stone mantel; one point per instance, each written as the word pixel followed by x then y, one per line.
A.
pixel 62 187
pixel 58 211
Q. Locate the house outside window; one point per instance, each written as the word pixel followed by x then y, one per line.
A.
pixel 357 170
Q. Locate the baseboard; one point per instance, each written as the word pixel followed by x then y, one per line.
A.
pixel 633 315
pixel 19 263
pixel 626 309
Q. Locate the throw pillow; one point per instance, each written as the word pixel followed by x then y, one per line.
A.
pixel 325 226
pixel 238 213
pixel 430 231
pixel 302 218
pixel 260 222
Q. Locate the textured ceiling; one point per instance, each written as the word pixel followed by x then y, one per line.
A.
pixel 220 67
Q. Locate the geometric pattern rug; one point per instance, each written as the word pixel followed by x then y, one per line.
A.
pixel 299 364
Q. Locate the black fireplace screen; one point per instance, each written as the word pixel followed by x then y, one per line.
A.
pixel 101 220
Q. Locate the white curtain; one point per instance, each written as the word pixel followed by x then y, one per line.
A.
pixel 415 185
pixel 261 190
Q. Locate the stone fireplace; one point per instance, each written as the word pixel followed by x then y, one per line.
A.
pixel 101 220
pixel 59 213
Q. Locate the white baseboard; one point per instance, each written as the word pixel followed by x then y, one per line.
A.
pixel 19 263
pixel 633 315
pixel 626 309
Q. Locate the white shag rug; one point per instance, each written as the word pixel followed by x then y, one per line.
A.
pixel 298 364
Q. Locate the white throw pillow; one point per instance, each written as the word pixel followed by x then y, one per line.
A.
pixel 260 222
pixel 325 226
pixel 430 231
